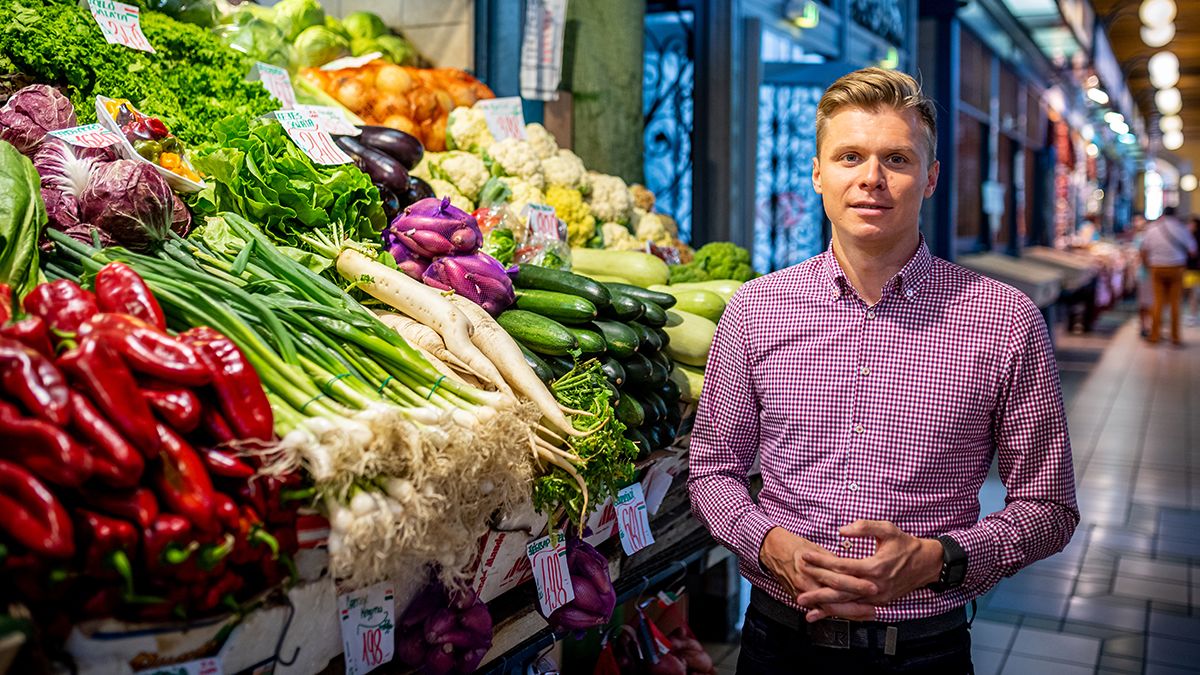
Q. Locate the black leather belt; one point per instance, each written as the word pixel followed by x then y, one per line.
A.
pixel 843 634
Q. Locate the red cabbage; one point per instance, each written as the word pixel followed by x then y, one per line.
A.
pixel 66 171
pixel 131 202
pixel 31 112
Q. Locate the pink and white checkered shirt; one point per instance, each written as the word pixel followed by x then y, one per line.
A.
pixel 890 412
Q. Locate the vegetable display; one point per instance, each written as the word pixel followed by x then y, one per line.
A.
pixel 22 217
pixel 444 632
pixel 595 597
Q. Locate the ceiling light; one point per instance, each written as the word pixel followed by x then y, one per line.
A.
pixel 1097 95
pixel 1168 101
pixel 1170 123
pixel 1157 12
pixel 1092 150
pixel 1173 140
pixel 1187 182
pixel 1119 128
pixel 1164 70
pixel 1113 117
pixel 1158 36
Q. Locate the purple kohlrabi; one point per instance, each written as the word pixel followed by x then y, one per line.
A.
pixel 433 227
pixel 478 277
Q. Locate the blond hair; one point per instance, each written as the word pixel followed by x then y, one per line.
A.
pixel 874 88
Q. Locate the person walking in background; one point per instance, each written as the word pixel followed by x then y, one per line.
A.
pixel 1165 250
pixel 1191 279
pixel 1145 292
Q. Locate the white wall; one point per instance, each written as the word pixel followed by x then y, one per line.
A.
pixel 442 30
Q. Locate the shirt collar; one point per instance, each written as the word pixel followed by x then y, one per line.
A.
pixel 905 284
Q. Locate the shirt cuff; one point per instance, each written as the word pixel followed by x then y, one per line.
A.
pixel 980 547
pixel 755 527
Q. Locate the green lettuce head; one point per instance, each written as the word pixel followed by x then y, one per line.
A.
pixel 364 25
pixel 397 50
pixel 317 46
pixel 294 16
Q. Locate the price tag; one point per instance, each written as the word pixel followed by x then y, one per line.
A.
pixel 368 624
pixel 549 561
pixel 276 81
pixel 632 521
pixel 504 116
pixel 197 667
pixel 351 61
pixel 330 120
pixel 315 143
pixel 121 24
pixel 88 136
pixel 543 221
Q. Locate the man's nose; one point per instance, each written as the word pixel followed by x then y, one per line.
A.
pixel 872 175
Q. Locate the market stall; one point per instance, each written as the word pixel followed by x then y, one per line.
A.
pixel 312 354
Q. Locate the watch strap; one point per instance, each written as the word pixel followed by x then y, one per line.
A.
pixel 954 565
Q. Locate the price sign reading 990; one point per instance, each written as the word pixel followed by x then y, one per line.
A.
pixel 550 574
pixel 121 24
pixel 315 143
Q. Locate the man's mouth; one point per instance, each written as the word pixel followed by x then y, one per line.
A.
pixel 870 207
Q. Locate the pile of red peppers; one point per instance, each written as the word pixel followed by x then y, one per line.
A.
pixel 128 481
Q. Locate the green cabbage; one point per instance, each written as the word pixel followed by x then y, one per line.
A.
pixel 364 25
pixel 294 16
pixel 317 46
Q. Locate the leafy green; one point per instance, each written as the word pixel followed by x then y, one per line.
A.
pixel 716 260
pixel 501 245
pixel 256 171
pixel 22 217
pixel 191 82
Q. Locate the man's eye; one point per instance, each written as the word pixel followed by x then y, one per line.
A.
pixel 850 157
pixel 898 159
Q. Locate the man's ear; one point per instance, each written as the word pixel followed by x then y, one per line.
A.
pixel 816 175
pixel 931 185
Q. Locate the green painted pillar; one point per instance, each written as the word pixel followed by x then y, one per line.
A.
pixel 602 68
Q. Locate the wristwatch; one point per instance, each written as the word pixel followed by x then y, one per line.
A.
pixel 954 566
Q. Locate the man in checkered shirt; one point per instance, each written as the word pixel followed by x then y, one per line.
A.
pixel 874 383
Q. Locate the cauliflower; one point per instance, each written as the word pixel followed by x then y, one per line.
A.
pixel 566 169
pixel 643 198
pixel 442 188
pixel 544 145
pixel 568 205
pixel 424 169
pixel 465 171
pixel 524 193
pixel 516 158
pixel 651 227
pixel 609 199
pixel 617 237
pixel 467 129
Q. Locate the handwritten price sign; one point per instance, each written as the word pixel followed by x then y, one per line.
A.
pixel 277 83
pixel 504 117
pixel 550 574
pixel 632 521
pixel 543 221
pixel 88 136
pixel 330 120
pixel 368 629
pixel 315 143
pixel 121 24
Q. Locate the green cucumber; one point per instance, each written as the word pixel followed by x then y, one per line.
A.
pixel 540 367
pixel 652 401
pixel 663 300
pixel 545 279
pixel 559 365
pixel 630 411
pixel 625 307
pixel 614 394
pixel 639 439
pixel 655 316
pixel 613 371
pixel 669 391
pixel 662 336
pixel 562 307
pixel 590 342
pixel 538 333
pixel 639 371
pixel 621 339
pixel 648 341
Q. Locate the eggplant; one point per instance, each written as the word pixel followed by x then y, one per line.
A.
pixel 381 167
pixel 395 143
pixel 391 203
pixel 417 190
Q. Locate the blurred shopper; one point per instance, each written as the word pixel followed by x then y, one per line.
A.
pixel 1165 250
pixel 874 382
pixel 1191 279
pixel 1145 291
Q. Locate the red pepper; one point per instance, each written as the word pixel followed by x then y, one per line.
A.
pixel 179 407
pixel 138 506
pixel 62 304
pixel 109 542
pixel 221 463
pixel 227 511
pixel 33 380
pixel 101 603
pixel 116 461
pixel 120 290
pixel 32 515
pixel 219 592
pixel 182 483
pixel 148 349
pixel 213 422
pixel 44 449
pixel 253 493
pixel 240 393
pixel 96 369
pixel 166 542
pixel 6 303
pixel 31 332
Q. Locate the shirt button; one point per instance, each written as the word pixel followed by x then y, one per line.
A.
pixel 858 429
pixel 846 544
pixel 853 487
pixel 865 370
pixel 870 314
pixel 909 293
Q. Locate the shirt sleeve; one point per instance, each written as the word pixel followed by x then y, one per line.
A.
pixel 1034 454
pixel 724 442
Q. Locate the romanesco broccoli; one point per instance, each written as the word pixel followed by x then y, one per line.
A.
pixel 716 260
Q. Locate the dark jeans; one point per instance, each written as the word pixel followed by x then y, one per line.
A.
pixel 769 647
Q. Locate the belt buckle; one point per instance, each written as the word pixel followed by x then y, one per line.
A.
pixel 833 633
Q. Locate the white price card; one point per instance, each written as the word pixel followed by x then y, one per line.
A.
pixel 198 667
pixel 88 136
pixel 367 617
pixel 504 116
pixel 548 557
pixel 632 521
pixel 276 81
pixel 330 120
pixel 315 143
pixel 543 220
pixel 352 61
pixel 121 24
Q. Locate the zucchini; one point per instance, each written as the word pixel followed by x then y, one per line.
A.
pixel 648 341
pixel 663 300
pixel 661 359
pixel 590 342
pixel 641 269
pixel 659 435
pixel 655 316
pixel 691 337
pixel 613 371
pixel 690 381
pixel 669 391
pixel 722 287
pixel 546 279
pixel 706 303
pixel 559 365
pixel 540 367
pixel 650 413
pixel 614 394
pixel 558 306
pixel 639 439
pixel 621 339
pixel 538 333
pixel 652 402
pixel 630 412
pixel 674 414
pixel 625 307
pixel 638 371
pixel 662 336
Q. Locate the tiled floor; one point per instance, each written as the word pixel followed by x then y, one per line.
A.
pixel 1124 597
